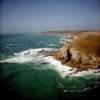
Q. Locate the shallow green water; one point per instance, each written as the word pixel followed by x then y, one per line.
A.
pixel 29 81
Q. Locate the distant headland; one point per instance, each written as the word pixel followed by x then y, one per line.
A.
pixel 68 31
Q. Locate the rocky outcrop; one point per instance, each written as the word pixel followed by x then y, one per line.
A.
pixel 82 53
pixel 62 54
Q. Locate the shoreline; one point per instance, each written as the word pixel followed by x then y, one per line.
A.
pixel 82 52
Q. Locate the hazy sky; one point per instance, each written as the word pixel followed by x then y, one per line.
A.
pixel 42 15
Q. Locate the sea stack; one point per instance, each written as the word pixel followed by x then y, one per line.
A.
pixel 83 52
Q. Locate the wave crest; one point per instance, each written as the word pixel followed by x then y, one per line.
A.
pixel 42 56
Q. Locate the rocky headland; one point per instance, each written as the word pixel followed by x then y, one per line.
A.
pixel 82 52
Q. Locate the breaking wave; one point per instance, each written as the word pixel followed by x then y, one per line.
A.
pixel 43 56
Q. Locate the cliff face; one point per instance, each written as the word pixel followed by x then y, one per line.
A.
pixel 62 54
pixel 82 53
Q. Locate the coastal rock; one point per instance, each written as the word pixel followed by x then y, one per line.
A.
pixel 62 54
pixel 82 53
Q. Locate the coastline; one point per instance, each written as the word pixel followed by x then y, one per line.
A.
pixel 81 52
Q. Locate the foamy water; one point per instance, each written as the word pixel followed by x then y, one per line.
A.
pixel 39 56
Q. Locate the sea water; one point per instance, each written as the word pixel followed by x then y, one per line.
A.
pixel 29 72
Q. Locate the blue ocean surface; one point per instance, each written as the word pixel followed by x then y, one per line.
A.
pixel 28 72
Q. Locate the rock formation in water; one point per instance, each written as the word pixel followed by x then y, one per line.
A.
pixel 83 52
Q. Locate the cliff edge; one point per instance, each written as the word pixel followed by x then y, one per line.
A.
pixel 83 52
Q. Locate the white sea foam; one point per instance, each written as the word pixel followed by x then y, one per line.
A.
pixel 61 69
pixel 10 44
pixel 64 39
pixel 38 56
pixel 29 55
pixel 51 45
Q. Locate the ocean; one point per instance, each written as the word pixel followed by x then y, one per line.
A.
pixel 29 72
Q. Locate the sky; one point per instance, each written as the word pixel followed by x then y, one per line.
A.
pixel 19 16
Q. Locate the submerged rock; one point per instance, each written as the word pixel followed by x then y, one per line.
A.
pixel 82 53
pixel 46 52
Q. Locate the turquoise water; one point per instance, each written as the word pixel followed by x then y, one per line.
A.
pixel 34 80
pixel 20 42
